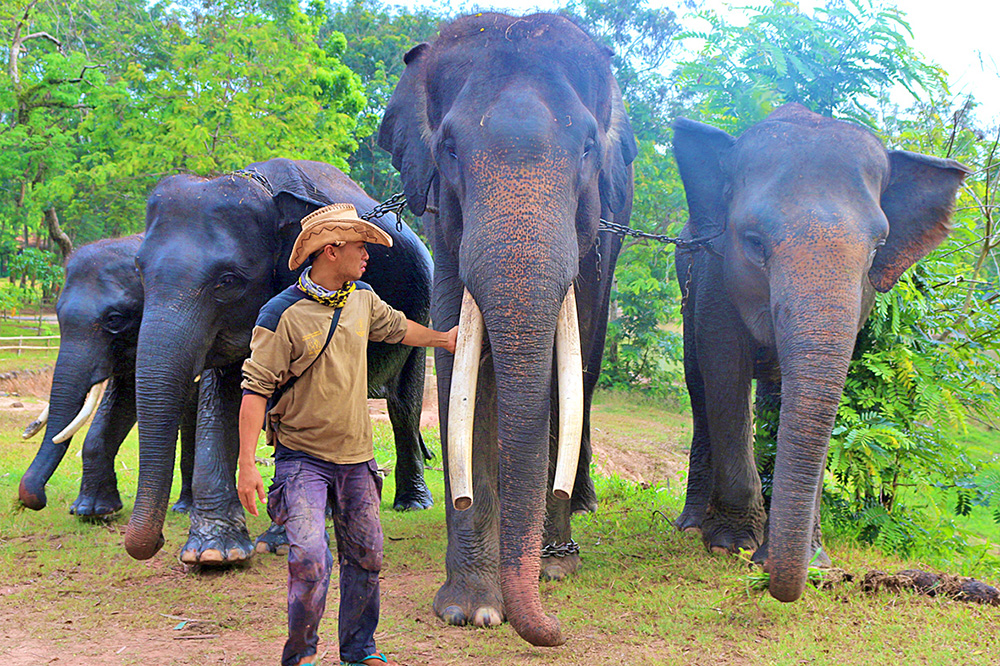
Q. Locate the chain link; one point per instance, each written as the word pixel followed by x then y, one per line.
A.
pixel 705 242
pixel 561 549
pixel 394 204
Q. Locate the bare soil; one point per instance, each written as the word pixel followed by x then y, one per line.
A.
pixel 32 636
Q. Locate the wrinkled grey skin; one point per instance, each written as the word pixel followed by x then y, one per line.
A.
pixel 809 217
pixel 514 129
pixel 215 251
pixel 99 310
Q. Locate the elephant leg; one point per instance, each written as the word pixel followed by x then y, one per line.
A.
pixel 404 399
pixel 189 423
pixel 767 409
pixel 734 519
pixel 560 554
pixel 471 592
pixel 114 418
pixel 218 533
pixel 699 481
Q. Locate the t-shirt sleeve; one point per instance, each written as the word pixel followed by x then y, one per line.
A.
pixel 269 362
pixel 387 323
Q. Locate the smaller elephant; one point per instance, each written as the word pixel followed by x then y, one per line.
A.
pixel 99 311
pixel 215 250
pixel 804 218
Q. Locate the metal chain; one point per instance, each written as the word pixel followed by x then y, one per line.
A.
pixel 257 176
pixel 561 549
pixel 394 204
pixel 705 242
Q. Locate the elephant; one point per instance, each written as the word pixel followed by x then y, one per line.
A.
pixel 99 310
pixel 799 221
pixel 511 138
pixel 216 249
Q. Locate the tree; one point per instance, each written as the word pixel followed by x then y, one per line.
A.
pixel 837 62
pixel 377 37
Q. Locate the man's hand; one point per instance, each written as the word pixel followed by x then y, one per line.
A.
pixel 250 487
pixel 452 339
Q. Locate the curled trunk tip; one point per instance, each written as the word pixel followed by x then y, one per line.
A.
pixel 140 545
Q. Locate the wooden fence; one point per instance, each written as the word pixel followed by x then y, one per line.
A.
pixel 33 342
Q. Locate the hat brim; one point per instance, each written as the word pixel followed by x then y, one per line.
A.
pixel 318 236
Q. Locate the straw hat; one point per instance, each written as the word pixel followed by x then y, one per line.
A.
pixel 333 225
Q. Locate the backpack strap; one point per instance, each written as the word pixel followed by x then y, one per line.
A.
pixel 284 388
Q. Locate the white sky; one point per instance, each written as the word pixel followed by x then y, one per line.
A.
pixel 959 35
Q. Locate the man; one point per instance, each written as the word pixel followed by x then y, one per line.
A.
pixel 321 430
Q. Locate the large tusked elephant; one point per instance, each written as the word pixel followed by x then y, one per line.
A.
pixel 215 251
pixel 513 129
pixel 99 311
pixel 807 217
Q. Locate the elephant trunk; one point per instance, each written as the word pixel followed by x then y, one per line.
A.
pixel 518 259
pixel 170 353
pixel 74 376
pixel 815 339
pixel 522 360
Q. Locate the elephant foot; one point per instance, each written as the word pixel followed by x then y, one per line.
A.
pixel 415 497
pixel 469 600
pixel 729 536
pixel 216 541
pixel 183 504
pixel 557 568
pixel 690 520
pixel 273 540
pixel 97 504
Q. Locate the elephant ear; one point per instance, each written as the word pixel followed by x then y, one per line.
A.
pixel 615 180
pixel 295 193
pixel 405 128
pixel 700 150
pixel 918 203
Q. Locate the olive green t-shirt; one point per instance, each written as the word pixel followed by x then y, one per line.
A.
pixel 325 414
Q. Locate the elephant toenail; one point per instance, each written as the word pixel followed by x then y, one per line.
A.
pixel 212 556
pixel 454 615
pixel 487 617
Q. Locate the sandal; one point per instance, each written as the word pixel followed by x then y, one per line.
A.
pixel 364 662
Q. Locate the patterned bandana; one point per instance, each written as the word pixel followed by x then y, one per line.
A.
pixel 333 299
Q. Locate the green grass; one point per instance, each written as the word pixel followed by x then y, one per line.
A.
pixel 10 360
pixel 645 593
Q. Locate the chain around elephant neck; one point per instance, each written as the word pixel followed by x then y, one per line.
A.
pixel 688 245
pixel 320 294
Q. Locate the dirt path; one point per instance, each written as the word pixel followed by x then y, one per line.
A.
pixel 191 633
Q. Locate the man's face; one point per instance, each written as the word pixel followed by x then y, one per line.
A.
pixel 352 258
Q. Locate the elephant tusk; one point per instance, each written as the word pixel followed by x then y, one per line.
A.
pixel 569 366
pixel 88 408
pixel 35 426
pixel 462 401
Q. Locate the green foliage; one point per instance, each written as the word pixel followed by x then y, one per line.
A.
pixel 376 36
pixel 840 61
pixel 203 87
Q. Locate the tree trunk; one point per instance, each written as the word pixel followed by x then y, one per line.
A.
pixel 57 234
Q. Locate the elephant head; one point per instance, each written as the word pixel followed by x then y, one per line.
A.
pixel 809 216
pixel 514 128
pixel 211 257
pixel 99 311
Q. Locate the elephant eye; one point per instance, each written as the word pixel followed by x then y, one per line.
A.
pixel 754 248
pixel 229 286
pixel 115 322
pixel 588 148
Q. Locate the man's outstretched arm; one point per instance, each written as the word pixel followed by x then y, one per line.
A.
pixel 418 335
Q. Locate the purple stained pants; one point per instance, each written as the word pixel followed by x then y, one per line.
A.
pixel 297 499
